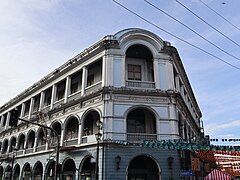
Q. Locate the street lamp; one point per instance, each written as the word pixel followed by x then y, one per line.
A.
pixel 98 138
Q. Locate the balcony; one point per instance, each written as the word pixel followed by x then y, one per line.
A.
pixel 19 152
pixel 29 150
pixel 140 84
pixel 71 142
pixel 41 148
pixel 136 137
pixel 94 87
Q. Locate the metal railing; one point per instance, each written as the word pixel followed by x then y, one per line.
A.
pixel 135 137
pixel 71 142
pixel 140 84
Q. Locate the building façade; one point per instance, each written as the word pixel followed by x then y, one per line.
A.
pixel 127 88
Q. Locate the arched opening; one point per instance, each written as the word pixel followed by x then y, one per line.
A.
pixel 16 172
pixel 69 170
pixel 50 170
pixel 7 173
pixel 30 142
pixel 4 146
pixel 26 172
pixel 58 128
pixel 87 169
pixel 143 168
pixel 71 132
pixel 38 171
pixel 12 144
pixel 141 125
pixel 90 127
pixel 139 67
pixel 21 142
pixel 41 140
pixel 1 172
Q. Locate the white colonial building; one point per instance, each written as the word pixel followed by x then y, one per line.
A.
pixel 129 87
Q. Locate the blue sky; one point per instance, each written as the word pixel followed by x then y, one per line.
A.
pixel 36 37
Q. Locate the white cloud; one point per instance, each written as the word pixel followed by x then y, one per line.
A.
pixel 214 127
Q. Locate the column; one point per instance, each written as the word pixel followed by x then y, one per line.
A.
pixel 31 108
pixel 79 134
pixel 67 89
pixel 62 137
pixel 2 118
pixel 104 71
pixel 22 110
pixel 7 120
pixel 169 74
pixel 156 73
pixel 35 143
pixel 84 80
pixel 54 88
pixel 41 101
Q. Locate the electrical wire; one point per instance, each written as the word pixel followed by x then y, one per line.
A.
pixel 207 23
pixel 219 15
pixel 154 6
pixel 196 47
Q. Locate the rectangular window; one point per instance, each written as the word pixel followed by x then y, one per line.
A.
pixel 36 103
pixel 4 120
pixel 48 96
pixel 76 82
pixel 94 73
pixel 27 108
pixel 134 72
pixel 61 90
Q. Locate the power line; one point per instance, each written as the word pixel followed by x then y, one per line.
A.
pixel 207 23
pixel 149 22
pixel 219 15
pixel 192 30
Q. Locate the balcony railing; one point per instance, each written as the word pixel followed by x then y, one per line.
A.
pixel 140 84
pixel 136 137
pixel 29 150
pixel 53 140
pixel 41 148
pixel 94 87
pixel 20 152
pixel 71 142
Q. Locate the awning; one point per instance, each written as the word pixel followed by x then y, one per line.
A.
pixel 217 175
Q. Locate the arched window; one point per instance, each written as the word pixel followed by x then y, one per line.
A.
pixel 58 128
pixel 26 171
pixel 38 171
pixel 136 122
pixel 69 169
pixel 21 141
pixel 71 132
pixel 4 146
pixel 90 127
pixel 16 172
pixel 30 140
pixel 7 173
pixel 139 67
pixel 1 172
pixel 143 167
pixel 87 169
pixel 141 125
pixel 12 144
pixel 72 128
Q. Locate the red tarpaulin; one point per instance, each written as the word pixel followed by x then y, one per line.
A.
pixel 217 175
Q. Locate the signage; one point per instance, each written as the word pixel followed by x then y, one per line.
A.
pixel 186 173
